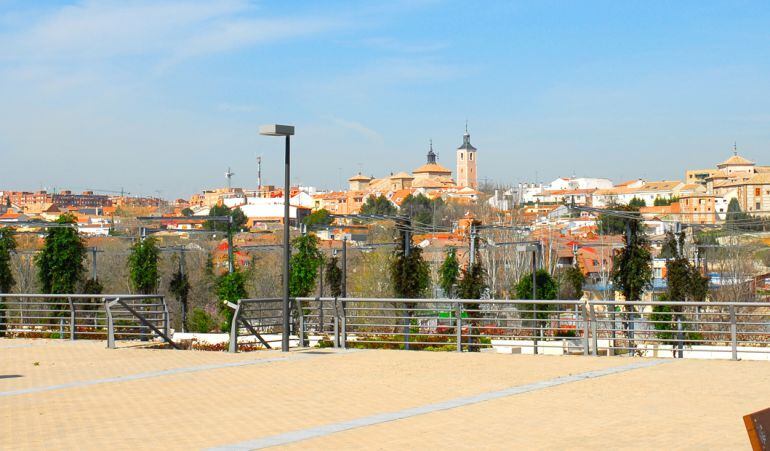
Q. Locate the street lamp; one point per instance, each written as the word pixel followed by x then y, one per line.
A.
pixel 287 131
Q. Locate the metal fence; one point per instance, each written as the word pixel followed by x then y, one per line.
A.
pixel 675 329
pixel 83 316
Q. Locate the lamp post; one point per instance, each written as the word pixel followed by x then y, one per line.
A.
pixel 287 131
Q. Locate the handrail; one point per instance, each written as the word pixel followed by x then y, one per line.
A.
pixel 589 327
pixel 238 319
pixel 140 317
pixel 84 316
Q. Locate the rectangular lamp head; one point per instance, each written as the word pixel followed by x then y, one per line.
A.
pixel 276 130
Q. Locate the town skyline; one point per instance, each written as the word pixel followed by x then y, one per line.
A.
pixel 549 90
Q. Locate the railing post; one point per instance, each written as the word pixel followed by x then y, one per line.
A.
pixel 594 334
pixel 679 336
pixel 336 324
pixel 110 325
pixel 733 333
pixel 301 319
pixel 344 334
pixel 320 315
pixel 234 329
pixel 613 319
pixel 459 326
pixel 72 318
pixel 166 317
pixel 631 335
pixel 586 343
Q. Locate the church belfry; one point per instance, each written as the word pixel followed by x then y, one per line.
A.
pixel 466 163
pixel 431 154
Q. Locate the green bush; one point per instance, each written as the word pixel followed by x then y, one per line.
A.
pixel 200 321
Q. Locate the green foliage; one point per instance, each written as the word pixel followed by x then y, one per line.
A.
pixel 637 203
pixel 143 266
pixel 671 245
pixel 7 282
pixel 449 272
pixel 334 277
pixel 421 209
pixel 664 322
pixel 230 287
pixel 574 280
pixel 410 274
pixel 92 286
pixel 304 264
pixel 632 265
pixel 239 219
pixel 60 263
pixel 685 283
pixel 187 211
pixel 320 217
pixel 472 285
pixel 379 205
pixel 179 286
pixel 200 321
pixel 613 223
pixel 7 246
pixel 546 289
pixel 738 220
pixel 664 202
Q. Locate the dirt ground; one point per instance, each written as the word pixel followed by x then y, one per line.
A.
pixel 56 394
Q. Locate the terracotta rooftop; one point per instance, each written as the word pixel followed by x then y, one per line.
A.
pixel 432 168
pixel 736 160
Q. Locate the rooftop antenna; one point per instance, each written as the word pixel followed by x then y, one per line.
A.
pixel 466 126
pixel 229 174
pixel 735 148
pixel 259 173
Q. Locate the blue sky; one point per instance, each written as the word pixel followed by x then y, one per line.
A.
pixel 164 96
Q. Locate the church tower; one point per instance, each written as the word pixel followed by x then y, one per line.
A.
pixel 466 163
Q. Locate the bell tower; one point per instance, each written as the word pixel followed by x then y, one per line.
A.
pixel 466 163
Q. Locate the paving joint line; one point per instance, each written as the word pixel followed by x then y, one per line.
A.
pixel 160 373
pixel 333 428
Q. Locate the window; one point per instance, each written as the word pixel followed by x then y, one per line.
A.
pixel 470 156
pixel 759 207
pixel 757 192
pixel 461 156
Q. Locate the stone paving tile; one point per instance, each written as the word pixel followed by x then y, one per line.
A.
pixel 230 405
pixel 681 405
pixel 50 362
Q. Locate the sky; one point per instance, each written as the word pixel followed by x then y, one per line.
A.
pixel 161 97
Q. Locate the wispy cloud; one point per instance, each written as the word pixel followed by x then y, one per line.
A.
pixel 399 46
pixel 237 108
pixel 358 128
pixel 170 31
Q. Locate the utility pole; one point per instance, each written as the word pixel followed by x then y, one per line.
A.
pixel 93 262
pixel 407 237
pixel 182 273
pixel 534 270
pixel 259 176
pixel 344 266
pixel 230 262
pixel 472 259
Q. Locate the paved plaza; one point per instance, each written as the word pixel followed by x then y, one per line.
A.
pixel 79 395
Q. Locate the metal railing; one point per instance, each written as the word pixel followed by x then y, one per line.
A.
pixel 676 329
pixel 108 317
